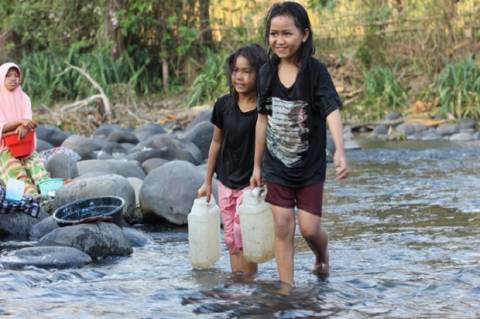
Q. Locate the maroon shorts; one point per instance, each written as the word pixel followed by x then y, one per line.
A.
pixel 308 198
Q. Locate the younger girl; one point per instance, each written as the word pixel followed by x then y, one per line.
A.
pixel 296 99
pixel 232 148
pixel 16 115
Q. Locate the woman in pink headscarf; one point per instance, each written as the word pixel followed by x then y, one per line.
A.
pixel 16 115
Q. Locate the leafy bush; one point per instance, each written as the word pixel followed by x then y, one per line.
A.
pixel 458 88
pixel 382 92
pixel 210 82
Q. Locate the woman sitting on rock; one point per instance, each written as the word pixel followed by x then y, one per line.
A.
pixel 16 116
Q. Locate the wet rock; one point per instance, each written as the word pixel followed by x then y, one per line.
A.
pixel 462 137
pixel 145 131
pixel 42 228
pixel 142 156
pixel 392 116
pixel 466 124
pixel 46 257
pixel 169 190
pixel 51 134
pixel 104 130
pixel 430 135
pixel 85 147
pixel 113 148
pixel 128 146
pixel 97 240
pixel 137 216
pixel 136 237
pixel 411 129
pixel 476 136
pixel 172 148
pixel 153 163
pixel 447 129
pixel 203 116
pixel 62 166
pixel 123 136
pixel 380 130
pixel 18 225
pixel 200 135
pixel 105 185
pixel 42 145
pixel 112 166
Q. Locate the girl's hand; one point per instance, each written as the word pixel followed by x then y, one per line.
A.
pixel 341 166
pixel 21 131
pixel 30 124
pixel 205 190
pixel 256 180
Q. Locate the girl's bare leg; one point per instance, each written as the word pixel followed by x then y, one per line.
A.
pixel 284 221
pixel 317 239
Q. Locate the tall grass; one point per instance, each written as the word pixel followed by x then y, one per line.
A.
pixel 382 92
pixel 46 82
pixel 458 88
pixel 211 82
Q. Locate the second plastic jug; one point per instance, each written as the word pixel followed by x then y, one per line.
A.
pixel 256 224
pixel 204 233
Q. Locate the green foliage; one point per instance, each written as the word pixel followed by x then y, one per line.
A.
pixel 458 87
pixel 382 92
pixel 45 80
pixel 210 82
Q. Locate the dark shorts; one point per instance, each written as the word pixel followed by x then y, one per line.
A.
pixel 308 198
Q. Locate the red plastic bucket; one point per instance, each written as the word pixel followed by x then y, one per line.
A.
pixel 19 147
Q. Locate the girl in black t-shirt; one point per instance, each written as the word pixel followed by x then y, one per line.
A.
pixel 296 99
pixel 232 148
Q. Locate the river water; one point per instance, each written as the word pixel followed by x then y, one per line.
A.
pixel 404 243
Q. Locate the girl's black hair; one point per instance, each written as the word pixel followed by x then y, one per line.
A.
pixel 300 17
pixel 255 56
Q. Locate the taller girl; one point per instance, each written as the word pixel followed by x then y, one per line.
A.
pixel 296 99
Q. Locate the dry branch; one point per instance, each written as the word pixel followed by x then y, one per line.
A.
pixel 107 110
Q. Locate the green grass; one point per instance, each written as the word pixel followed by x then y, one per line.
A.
pixel 458 88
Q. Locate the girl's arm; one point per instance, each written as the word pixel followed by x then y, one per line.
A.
pixel 336 128
pixel 260 135
pixel 206 188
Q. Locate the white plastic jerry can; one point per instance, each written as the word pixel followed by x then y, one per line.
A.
pixel 204 233
pixel 256 224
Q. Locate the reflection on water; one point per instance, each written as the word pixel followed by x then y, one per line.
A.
pixel 405 241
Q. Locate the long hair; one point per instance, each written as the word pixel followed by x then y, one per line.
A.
pixel 255 56
pixel 300 17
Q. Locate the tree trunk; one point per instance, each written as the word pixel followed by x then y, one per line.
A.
pixel 165 74
pixel 112 28
pixel 205 22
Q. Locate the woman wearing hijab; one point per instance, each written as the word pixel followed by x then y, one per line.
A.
pixel 16 116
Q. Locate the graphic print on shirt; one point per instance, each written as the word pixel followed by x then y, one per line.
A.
pixel 287 132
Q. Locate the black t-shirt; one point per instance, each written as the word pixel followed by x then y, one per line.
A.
pixel 296 131
pixel 234 164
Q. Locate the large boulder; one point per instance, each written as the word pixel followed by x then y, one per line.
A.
pixel 152 163
pixel 105 129
pixel 203 116
pixel 144 132
pixel 83 146
pixel 18 225
pixel 42 145
pixel 97 186
pixel 123 136
pixel 112 166
pixel 169 190
pixel 97 239
pixel 45 257
pixel 200 135
pixel 51 134
pixel 142 156
pixel 62 166
pixel 136 237
pixel 42 228
pixel 111 148
pixel 171 148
